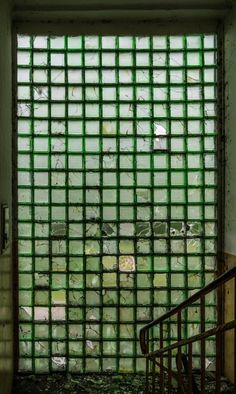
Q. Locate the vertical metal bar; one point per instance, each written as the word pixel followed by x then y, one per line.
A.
pixel 180 382
pixel 203 348
pixel 161 361
pixel 218 361
pixel 153 375
pixel 147 376
pixel 190 368
pixel 147 364
pixel 179 350
pixel 169 372
pixel 219 345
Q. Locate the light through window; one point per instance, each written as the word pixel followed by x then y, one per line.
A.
pixel 116 194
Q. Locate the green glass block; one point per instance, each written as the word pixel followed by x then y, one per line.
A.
pixel 117 199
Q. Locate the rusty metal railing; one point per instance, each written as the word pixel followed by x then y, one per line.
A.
pixel 186 382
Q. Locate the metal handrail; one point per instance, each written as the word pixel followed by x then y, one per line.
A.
pixel 205 290
pixel 159 353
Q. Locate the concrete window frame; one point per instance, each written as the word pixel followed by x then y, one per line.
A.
pixel 120 17
pixel 125 17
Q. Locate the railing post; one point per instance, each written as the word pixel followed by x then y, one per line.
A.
pixel 190 369
pixel 219 343
pixel 161 361
pixel 147 363
pixel 217 331
pixel 218 362
pixel 179 361
pixel 203 347
pixel 153 375
pixel 169 372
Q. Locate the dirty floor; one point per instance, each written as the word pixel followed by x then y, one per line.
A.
pixel 79 384
pixel 104 384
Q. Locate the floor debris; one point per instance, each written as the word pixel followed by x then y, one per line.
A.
pixel 100 384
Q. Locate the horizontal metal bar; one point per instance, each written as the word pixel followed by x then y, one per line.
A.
pixel 209 333
pixel 205 290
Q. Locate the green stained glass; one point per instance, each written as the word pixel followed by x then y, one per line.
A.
pixel 117 194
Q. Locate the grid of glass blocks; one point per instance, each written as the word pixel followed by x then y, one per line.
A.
pixel 116 194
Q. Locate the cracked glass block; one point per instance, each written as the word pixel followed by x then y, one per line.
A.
pixel 116 176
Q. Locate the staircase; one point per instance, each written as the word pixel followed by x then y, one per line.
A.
pixel 169 368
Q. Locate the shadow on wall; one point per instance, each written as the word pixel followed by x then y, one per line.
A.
pixel 5 323
pixel 229 307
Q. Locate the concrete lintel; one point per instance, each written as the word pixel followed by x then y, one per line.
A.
pixel 112 27
pixel 96 5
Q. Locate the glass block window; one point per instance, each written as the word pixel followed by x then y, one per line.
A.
pixel 116 193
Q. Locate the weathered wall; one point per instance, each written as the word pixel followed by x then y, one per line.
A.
pixel 230 191
pixel 230 94
pixel 122 4
pixel 161 10
pixel 6 326
pixel 230 262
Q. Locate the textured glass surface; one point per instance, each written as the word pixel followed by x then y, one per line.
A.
pixel 116 194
